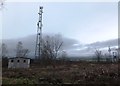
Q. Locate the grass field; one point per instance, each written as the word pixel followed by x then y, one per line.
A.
pixel 75 73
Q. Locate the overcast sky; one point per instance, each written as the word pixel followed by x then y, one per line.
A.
pixel 86 22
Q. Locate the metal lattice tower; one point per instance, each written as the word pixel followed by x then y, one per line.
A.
pixel 39 35
pixel 109 50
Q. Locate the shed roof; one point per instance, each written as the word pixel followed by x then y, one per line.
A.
pixel 19 57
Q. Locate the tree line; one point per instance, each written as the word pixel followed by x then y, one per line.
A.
pixel 110 56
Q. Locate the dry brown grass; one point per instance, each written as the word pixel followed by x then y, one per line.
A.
pixel 75 73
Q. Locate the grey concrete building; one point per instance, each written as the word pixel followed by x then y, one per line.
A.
pixel 19 62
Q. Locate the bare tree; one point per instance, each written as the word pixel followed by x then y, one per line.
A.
pixel 57 41
pixel 51 47
pixel 25 52
pixel 4 50
pixel 21 52
pixel 4 53
pixel 19 49
pixel 63 57
pixel 98 54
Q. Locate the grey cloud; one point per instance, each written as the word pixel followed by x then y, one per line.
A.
pixel 89 49
pixel 113 42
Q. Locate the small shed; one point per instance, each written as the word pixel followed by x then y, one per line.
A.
pixel 19 62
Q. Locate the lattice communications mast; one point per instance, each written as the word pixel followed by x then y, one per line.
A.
pixel 39 35
pixel 109 50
